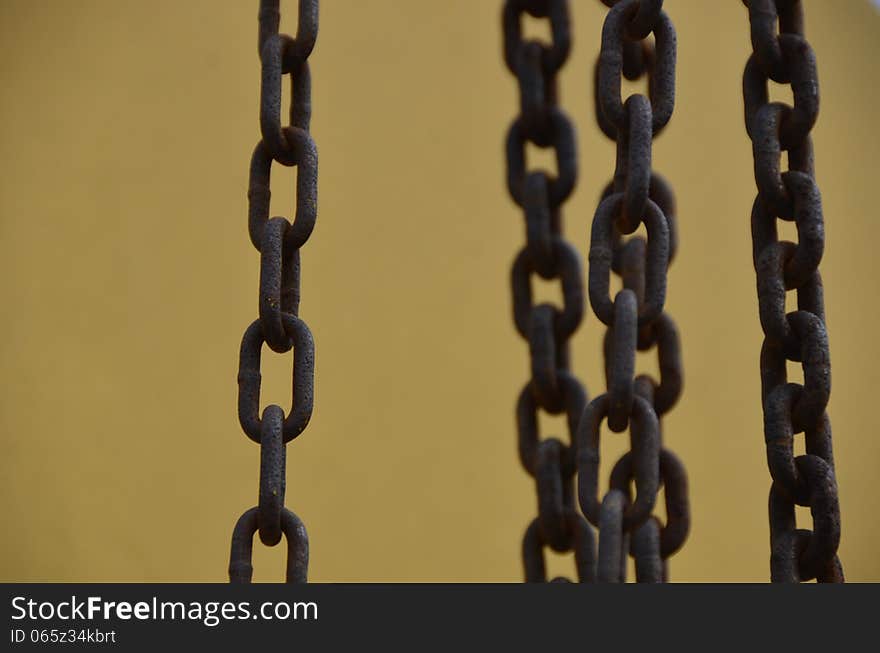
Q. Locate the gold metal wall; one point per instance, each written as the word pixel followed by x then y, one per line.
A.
pixel 127 278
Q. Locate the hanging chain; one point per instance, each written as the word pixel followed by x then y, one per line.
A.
pixel 553 387
pixel 635 319
pixel 782 54
pixel 278 326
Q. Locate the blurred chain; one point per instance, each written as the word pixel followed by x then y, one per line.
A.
pixel 635 319
pixel 782 54
pixel 278 325
pixel 547 328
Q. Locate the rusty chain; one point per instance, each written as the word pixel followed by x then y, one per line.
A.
pixel 635 319
pixel 781 53
pixel 278 325
pixel 547 329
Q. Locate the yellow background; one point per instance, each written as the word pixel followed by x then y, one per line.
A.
pixel 127 279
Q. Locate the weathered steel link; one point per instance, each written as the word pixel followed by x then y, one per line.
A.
pixel 645 457
pixel 535 64
pixel 621 359
pixel 555 494
pixel 799 119
pixel 613 539
pixel 601 256
pixel 240 567
pixel 781 53
pixel 635 318
pixel 634 161
pixel 642 23
pixel 562 141
pixel 272 478
pixel 306 192
pixel 763 18
pixel 568 271
pixel 582 543
pixel 574 398
pixel 674 482
pixel 547 328
pixel 646 552
pixel 278 241
pixel 798 555
pixel 249 378
pixel 279 283
pixel 610 65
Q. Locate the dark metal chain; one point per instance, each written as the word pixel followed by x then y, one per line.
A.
pixel 782 54
pixel 547 328
pixel 278 325
pixel 635 319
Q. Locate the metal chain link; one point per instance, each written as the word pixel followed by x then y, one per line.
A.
pixel 635 318
pixel 278 325
pixel 547 328
pixel 781 53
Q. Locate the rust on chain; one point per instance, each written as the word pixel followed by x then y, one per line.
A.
pixel 645 548
pixel 582 543
pixel 645 456
pixel 552 387
pixel 279 326
pixel 602 255
pixel 781 53
pixel 613 539
pixel 635 318
pixel 241 569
